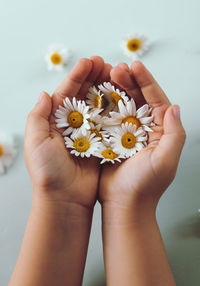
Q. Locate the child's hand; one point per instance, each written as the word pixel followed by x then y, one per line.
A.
pixel 55 174
pixel 141 180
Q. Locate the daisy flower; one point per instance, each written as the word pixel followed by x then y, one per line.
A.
pixel 134 45
pixel 127 139
pixel 128 113
pixel 7 152
pixel 83 145
pixel 74 115
pixel 57 57
pixel 95 98
pixel 106 153
pixel 112 95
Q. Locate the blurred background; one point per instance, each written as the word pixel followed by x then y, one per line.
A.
pixel 89 28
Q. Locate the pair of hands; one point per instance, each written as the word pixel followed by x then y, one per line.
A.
pixel 63 178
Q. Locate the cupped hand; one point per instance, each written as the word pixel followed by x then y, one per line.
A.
pixel 146 175
pixel 55 173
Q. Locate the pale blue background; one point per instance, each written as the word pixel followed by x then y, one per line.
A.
pixel 89 28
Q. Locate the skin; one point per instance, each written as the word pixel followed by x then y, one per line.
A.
pixel 55 243
pixel 65 189
pixel 134 253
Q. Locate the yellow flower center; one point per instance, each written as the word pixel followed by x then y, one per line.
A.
pixel 99 102
pixel 133 120
pixel 1 150
pixel 97 133
pixel 128 140
pixel 56 59
pixel 109 154
pixel 133 45
pixel 115 97
pixel 81 144
pixel 75 119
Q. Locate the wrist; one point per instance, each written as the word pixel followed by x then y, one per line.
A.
pixel 61 210
pixel 136 214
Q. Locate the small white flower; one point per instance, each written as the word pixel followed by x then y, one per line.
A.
pixel 73 115
pixel 83 145
pixel 127 139
pixel 7 152
pixel 112 96
pixel 134 45
pixel 128 113
pixel 95 98
pixel 57 57
pixel 106 153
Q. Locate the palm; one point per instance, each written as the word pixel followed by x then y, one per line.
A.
pixel 139 173
pixel 71 179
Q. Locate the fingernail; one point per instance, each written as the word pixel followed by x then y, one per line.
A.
pixel 41 96
pixel 176 111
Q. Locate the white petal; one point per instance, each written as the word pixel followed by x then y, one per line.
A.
pixel 143 111
pixel 139 146
pixel 146 128
pixel 146 120
pixel 142 138
pixel 122 108
pixel 67 131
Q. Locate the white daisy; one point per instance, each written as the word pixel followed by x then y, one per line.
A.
pixel 83 145
pixel 95 98
pixel 127 139
pixel 73 115
pixel 134 45
pixel 106 153
pixel 7 152
pixel 112 95
pixel 128 113
pixel 57 57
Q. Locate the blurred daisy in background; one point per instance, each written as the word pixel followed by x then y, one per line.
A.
pixel 127 139
pixel 57 57
pixel 134 45
pixel 7 152
pixel 74 115
pixel 83 145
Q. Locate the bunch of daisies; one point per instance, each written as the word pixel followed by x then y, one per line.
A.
pixel 106 125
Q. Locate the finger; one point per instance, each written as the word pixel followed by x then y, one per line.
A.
pixel 172 141
pixel 152 92
pixel 124 66
pixel 104 75
pixel 37 127
pixel 73 82
pixel 97 67
pixel 124 79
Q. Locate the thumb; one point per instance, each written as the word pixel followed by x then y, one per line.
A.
pixel 173 139
pixel 37 126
